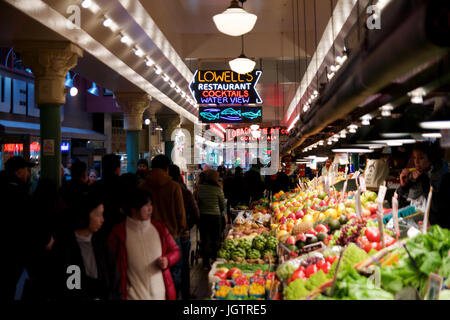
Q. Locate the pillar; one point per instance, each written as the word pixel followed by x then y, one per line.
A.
pixel 133 105
pixel 49 61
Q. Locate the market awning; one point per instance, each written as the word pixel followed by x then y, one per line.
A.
pixel 16 127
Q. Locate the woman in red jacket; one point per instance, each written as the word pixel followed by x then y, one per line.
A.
pixel 144 251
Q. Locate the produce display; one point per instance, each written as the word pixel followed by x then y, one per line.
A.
pixel 314 246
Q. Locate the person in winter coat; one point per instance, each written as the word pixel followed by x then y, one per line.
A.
pixel 144 252
pixel 192 217
pixel 142 169
pixel 77 186
pixel 16 210
pixel 211 202
pixel 83 266
pixel 168 204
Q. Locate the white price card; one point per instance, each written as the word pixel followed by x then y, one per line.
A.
pixel 381 193
pixel 362 182
pixel 395 214
pixel 380 222
pixel 358 206
pixel 344 189
pixel 427 211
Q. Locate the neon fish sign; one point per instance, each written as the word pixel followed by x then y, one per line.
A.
pixel 230 114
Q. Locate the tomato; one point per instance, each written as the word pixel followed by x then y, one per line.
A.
pixel 320 263
pixel 298 274
pixel 311 270
pixel 321 228
pixel 330 259
pixel 372 234
pixel 326 267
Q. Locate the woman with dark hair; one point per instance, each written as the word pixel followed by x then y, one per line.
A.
pixel 84 267
pixel 429 170
pixel 144 251
pixel 211 202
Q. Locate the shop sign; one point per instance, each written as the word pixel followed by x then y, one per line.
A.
pixel 65 146
pixel 245 134
pixel 225 87
pixel 17 96
pixel 230 114
pixel 13 147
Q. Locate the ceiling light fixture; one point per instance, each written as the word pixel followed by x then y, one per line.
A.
pixel 386 110
pixel 177 89
pixel 352 128
pixel 147 122
pixel 157 69
pixel 165 77
pixel 93 90
pixel 86 4
pixel 235 21
pixel 352 150
pixel 366 120
pixel 149 62
pixel 124 39
pixel 107 22
pixel 433 135
pixel 138 52
pixel 242 64
pixel 73 91
pixel 417 95
pixel 172 84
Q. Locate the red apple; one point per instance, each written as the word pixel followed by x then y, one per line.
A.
pixel 299 214
pixel 283 220
pixel 300 237
pixel 290 240
pixel 291 216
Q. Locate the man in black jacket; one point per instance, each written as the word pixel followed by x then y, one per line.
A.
pixel 16 210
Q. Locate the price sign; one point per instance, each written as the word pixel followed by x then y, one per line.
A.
pixel 381 193
pixel 395 214
pixel 433 287
pixel 362 182
pixel 380 222
pixel 427 211
pixel 344 189
pixel 358 206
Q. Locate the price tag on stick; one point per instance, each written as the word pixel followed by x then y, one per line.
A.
pixel 362 182
pixel 395 214
pixel 427 211
pixel 358 206
pixel 380 222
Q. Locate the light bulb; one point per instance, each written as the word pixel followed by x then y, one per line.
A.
pixel 86 4
pixel 149 62
pixel 172 84
pixel 73 91
pixel 147 122
pixel 124 39
pixel 138 52
pixel 107 22
pixel 177 89
pixel 157 69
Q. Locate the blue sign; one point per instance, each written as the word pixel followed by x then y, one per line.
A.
pixel 230 114
pixel 65 146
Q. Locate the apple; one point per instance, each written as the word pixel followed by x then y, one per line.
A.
pixel 322 203
pixel 282 208
pixel 290 240
pixel 300 237
pixel 291 216
pixel 372 207
pixel 276 211
pixel 283 220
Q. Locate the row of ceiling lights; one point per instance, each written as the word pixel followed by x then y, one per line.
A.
pixel 109 23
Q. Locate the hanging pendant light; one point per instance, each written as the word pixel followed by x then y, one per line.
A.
pixel 242 64
pixel 235 21
pixel 93 90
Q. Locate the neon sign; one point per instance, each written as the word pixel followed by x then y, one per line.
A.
pixel 230 114
pixel 244 134
pixel 13 147
pixel 225 87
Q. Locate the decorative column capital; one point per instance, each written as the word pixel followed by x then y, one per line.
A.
pixel 169 123
pixel 133 105
pixel 49 61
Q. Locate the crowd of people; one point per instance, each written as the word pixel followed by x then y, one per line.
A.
pixel 128 236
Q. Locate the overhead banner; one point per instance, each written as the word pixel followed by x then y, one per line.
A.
pixel 230 114
pixel 225 87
